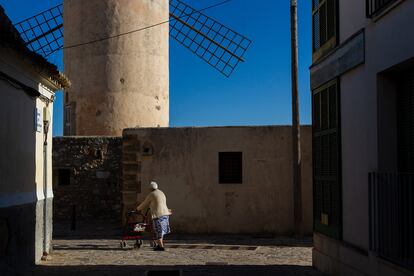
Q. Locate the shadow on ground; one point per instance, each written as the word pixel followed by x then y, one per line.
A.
pixel 101 239
pixel 219 270
pixel 110 230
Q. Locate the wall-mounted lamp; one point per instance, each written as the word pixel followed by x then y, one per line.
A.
pixel 46 122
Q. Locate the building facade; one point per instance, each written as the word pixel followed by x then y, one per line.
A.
pixel 217 179
pixel 234 180
pixel 27 85
pixel 362 84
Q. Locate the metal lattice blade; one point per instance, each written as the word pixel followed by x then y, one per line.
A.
pixel 218 45
pixel 43 33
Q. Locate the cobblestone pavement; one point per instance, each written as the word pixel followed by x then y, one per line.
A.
pixel 94 249
pixel 223 256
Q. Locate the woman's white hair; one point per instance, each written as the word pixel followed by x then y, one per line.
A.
pixel 154 185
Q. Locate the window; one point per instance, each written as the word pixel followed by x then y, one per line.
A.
pixel 230 167
pixel 324 27
pixel 64 177
pixel 147 149
pixel 326 156
pixel 375 7
pixel 69 119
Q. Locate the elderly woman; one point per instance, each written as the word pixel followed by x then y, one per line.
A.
pixel 157 203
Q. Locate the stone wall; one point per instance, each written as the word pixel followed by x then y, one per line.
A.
pixel 185 163
pixel 87 175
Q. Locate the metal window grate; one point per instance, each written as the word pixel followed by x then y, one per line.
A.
pixel 326 171
pixel 216 44
pixel 316 32
pixel 43 33
pixel 375 7
pixel 391 217
pixel 324 26
pixel 230 167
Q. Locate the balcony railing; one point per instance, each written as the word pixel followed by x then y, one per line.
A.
pixel 375 7
pixel 391 210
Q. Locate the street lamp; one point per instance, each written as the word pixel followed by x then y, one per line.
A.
pixel 296 152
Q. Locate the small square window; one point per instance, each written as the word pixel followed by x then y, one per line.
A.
pixel 64 177
pixel 230 167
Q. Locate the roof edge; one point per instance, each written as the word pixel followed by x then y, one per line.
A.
pixel 10 38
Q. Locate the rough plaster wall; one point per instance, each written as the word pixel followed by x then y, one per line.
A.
pixel 184 162
pixel 121 82
pixel 39 227
pixel 95 172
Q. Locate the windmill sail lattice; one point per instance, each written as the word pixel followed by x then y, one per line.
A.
pixel 218 45
pixel 43 33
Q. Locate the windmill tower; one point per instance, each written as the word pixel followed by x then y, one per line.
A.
pixel 118 83
pixel 116 54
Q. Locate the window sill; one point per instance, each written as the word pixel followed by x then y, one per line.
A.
pixel 324 50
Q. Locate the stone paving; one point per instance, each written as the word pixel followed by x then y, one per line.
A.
pixel 105 257
pixel 80 254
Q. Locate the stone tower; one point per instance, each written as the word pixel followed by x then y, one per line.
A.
pixel 121 82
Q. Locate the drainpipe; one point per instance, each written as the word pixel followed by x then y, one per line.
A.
pixel 46 123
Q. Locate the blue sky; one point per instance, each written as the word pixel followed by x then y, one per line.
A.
pixel 258 92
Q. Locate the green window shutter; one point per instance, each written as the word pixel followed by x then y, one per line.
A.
pixel 326 171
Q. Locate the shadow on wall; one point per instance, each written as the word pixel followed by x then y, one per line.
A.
pixel 218 270
pixel 20 241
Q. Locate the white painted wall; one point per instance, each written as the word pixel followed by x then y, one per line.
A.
pixel 17 163
pixel 22 160
pixel 389 41
pixel 21 163
pixel 351 18
pixel 40 104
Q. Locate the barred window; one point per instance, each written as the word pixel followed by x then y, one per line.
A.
pixel 376 7
pixel 326 156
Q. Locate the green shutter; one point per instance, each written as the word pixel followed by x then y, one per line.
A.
pixel 326 170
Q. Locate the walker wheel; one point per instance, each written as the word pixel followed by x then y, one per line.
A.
pixel 123 244
pixel 138 244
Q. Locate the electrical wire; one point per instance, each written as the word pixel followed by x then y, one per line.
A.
pixel 144 28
